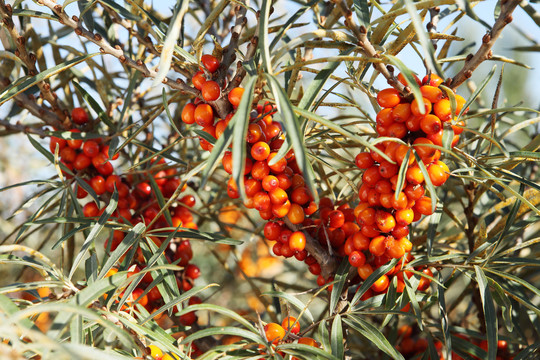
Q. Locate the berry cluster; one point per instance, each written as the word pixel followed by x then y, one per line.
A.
pixel 137 203
pixel 287 332
pixel 411 345
pixel 376 230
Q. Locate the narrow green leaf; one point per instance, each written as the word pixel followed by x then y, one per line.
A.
pixel 373 334
pixel 336 338
pixel 293 134
pixel 414 302
pixel 340 277
pixel 490 314
pixel 427 180
pixel 361 9
pixel 264 47
pixel 129 240
pixel 409 76
pixel 371 280
pixel 478 90
pixel 94 232
pixel 292 300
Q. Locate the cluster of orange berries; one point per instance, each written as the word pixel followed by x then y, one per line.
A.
pixel 376 230
pixel 137 203
pixel 287 332
pixel 412 345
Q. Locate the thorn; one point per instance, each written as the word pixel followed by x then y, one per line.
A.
pixel 468 74
pixel 21 40
pixel 508 19
pixel 46 86
pixel 140 63
pixel 390 68
pixel 117 47
pixel 469 57
pixel 363 29
pixel 122 59
pixel 75 18
pixel 486 38
pixel 78 31
pixel 98 37
pixel 32 57
pixel 101 50
pixel 58 9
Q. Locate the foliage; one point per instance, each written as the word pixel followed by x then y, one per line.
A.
pixel 75 280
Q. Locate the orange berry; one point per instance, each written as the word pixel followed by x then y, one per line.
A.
pixel 204 115
pixel 262 201
pixel 235 96
pixel 414 175
pixel 403 80
pixel 387 170
pixel 443 109
pixel 431 93
pixel 75 143
pixel 404 216
pixel 425 152
pixel 416 110
pixel 364 271
pixel 430 124
pixel 288 322
pixel 297 241
pixel 401 112
pixel 260 151
pixel 274 332
pixel 254 133
pixel 397 130
pixel 413 123
pixel 307 341
pixel 281 210
pixel 188 113
pixel 279 166
pixel 432 79
pixel 198 80
pixel 437 173
pixel 388 98
pixel 270 183
pixel 296 214
pixel 210 91
pixel 381 284
pixel 377 246
pixel 278 196
pixel 423 206
pixel 385 221
pixel 260 170
pixel 424 281
pixel 357 258
pixel 363 160
pixel 210 63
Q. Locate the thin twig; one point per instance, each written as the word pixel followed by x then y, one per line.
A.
pixel 488 40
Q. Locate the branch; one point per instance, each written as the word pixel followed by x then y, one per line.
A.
pixel 116 51
pixel 369 49
pixel 484 52
pixel 29 59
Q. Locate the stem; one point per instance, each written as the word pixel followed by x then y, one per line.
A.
pixel 488 40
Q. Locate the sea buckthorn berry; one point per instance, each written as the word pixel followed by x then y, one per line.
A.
pixel 274 332
pixel 425 152
pixel 192 271
pixel 336 219
pixel 105 151
pixel 270 183
pixel 413 123
pixel 387 170
pixel 371 176
pixel 383 186
pixel 74 143
pixel 414 175
pixel 210 91
pixel 431 93
pixel 437 173
pixel 373 198
pixel 436 138
pixel 69 155
pixel 90 210
pixel 357 258
pixel 81 162
pixel 79 116
pixel 430 124
pixel 57 141
pixel 365 270
pixel 432 80
pixel 272 230
pixel 443 110
pixel 311 208
pixel 401 153
pixel 272 130
pixel 404 216
pixel 235 96
pixel 460 102
pixel 377 246
pixel 279 166
pixel 210 63
pixel 260 169
pixel 188 113
pixel 98 184
pixel 385 117
pixel 143 189
pixel 385 221
pixel 397 130
pixel 388 98
pixel 401 202
pixel 260 151
pixel 254 133
pixel 252 187
pixel 204 115
pixel 285 181
pixel 401 78
pixel 424 281
pixel 401 112
pixel 363 160
pixel 296 214
pixel 416 110
pixel 155 352
pixel 394 248
pixel 90 148
pixel 297 241
pixel 423 206
pixel 289 324
pixel 262 201
pixel 198 80
pixel 414 192
pixel 300 195
pixel 381 284
pixel 458 129
pixel 366 216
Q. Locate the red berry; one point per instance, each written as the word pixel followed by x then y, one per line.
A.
pixel 210 63
pixel 79 116
pixel 210 91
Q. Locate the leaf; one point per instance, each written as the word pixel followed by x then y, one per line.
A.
pixel 293 134
pixel 129 240
pixel 94 232
pixel 340 277
pixel 173 33
pixel 28 81
pixel 120 10
pixel 373 334
pixel 224 330
pixel 478 91
pixel 409 76
pixel 336 338
pixel 361 8
pixel 490 313
pixel 371 280
pixel 264 47
pixel 221 310
pixel 291 21
pixel 427 46
pixel 86 13
pixel 292 300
